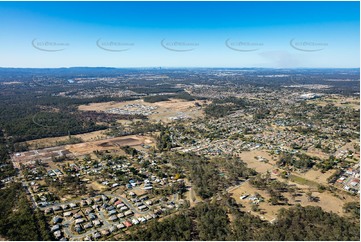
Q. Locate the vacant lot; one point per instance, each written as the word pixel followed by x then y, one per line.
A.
pixel 109 144
pixel 97 186
pixel 165 111
pixel 80 149
pixel 313 152
pixel 249 157
pixel 326 201
pixel 317 176
pixel 44 155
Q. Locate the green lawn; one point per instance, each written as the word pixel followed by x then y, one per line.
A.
pixel 302 181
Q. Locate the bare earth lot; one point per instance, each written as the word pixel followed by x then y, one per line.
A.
pixel 108 144
pixel 165 111
pixel 50 142
pixel 81 149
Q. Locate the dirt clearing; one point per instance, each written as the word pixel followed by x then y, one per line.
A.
pixel 109 144
pixel 165 111
pixel 54 141
pixel 253 160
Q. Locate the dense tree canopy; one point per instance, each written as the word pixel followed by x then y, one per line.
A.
pixel 209 221
pixel 17 220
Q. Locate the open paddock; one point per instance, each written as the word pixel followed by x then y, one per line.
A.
pixel 249 157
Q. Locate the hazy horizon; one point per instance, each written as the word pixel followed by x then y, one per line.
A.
pixel 180 34
pixel 176 67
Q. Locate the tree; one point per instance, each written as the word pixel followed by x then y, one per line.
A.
pixel 255 207
pixel 309 196
pixel 352 208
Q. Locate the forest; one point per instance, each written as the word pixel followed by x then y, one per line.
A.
pixel 32 115
pixel 17 218
pixel 211 176
pixel 6 168
pixel 223 107
pixel 211 221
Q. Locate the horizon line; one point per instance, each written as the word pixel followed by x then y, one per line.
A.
pixel 179 67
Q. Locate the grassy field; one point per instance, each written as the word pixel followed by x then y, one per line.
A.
pixel 302 181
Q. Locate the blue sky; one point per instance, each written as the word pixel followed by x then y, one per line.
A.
pixel 180 34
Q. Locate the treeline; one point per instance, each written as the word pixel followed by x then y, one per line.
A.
pixel 312 223
pixel 342 119
pixel 67 185
pixel 274 187
pixel 110 117
pixel 211 221
pixel 353 208
pixel 297 223
pixel 300 161
pixel 17 220
pixel 160 98
pixel 332 162
pixel 164 141
pixel 50 124
pixel 130 150
pixel 170 229
pixel 223 107
pixel 205 222
pixel 156 89
pixel 154 99
pixel 6 167
pixel 144 126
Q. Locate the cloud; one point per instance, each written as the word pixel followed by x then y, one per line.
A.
pixel 280 58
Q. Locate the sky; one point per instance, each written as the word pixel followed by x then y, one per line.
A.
pixel 180 34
